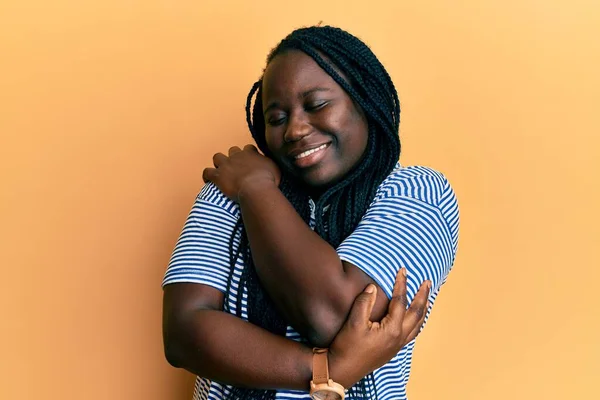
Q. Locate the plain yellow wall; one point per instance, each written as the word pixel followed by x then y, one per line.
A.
pixel 109 111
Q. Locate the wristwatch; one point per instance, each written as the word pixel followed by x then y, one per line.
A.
pixel 321 386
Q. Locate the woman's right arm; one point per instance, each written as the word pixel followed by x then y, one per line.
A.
pixel 201 338
pixel 206 341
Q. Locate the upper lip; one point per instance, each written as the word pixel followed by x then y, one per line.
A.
pixel 299 150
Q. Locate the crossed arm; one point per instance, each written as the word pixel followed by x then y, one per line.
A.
pixel 315 291
pixel 301 272
pixel 206 341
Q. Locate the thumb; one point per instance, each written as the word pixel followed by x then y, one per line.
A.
pixel 363 306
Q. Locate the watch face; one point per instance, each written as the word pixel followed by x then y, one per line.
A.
pixel 325 395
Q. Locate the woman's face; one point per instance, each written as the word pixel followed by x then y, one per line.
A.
pixel 313 128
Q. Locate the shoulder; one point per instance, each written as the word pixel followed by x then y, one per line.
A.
pixel 212 196
pixel 421 191
pixel 420 183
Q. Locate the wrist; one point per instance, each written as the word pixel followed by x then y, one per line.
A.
pixel 322 385
pixel 256 186
pixel 303 364
pixel 343 371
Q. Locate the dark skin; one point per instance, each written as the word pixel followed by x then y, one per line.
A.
pixel 321 296
pixel 305 108
pixel 200 337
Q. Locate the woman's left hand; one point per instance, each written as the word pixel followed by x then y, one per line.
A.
pixel 362 346
pixel 240 168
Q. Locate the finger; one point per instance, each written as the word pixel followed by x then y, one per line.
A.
pixel 417 308
pixel 399 302
pixel 363 306
pixel 411 336
pixel 250 147
pixel 233 150
pixel 209 174
pixel 219 159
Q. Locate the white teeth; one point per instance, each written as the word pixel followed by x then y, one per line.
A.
pixel 309 152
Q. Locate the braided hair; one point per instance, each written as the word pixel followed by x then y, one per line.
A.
pixel 340 208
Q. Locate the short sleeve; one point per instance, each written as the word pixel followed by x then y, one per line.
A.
pixel 202 251
pixel 412 223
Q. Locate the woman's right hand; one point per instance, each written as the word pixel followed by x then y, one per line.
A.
pixel 362 346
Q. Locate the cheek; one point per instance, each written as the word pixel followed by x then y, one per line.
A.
pixel 358 148
pixel 362 132
pixel 273 140
pixel 358 139
pixel 358 128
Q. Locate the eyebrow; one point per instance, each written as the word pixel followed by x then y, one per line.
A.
pixel 317 89
pixel 275 104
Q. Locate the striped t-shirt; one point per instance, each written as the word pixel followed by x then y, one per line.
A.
pixel 412 222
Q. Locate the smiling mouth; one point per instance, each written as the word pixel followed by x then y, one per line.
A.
pixel 311 151
pixel 312 157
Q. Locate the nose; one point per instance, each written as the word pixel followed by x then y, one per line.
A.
pixel 298 127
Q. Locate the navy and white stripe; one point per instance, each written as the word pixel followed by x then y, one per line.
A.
pixel 413 223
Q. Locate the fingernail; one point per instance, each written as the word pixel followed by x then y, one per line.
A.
pixel 429 285
pixel 370 288
pixel 404 272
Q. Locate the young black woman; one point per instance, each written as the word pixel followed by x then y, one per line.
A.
pixel 300 239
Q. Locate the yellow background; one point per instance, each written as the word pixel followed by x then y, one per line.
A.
pixel 109 111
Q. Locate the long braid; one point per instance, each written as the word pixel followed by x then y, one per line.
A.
pixel 370 86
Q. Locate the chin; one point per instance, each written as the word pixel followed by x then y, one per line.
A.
pixel 318 178
pixel 319 181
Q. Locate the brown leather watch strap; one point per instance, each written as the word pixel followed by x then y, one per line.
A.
pixel 320 366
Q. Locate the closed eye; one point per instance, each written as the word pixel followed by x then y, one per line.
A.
pixel 276 121
pixel 316 106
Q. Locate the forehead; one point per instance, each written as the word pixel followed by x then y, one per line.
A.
pixel 294 72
